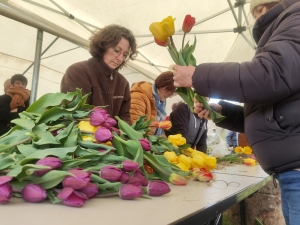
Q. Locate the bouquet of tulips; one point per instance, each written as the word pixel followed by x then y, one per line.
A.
pixel 162 32
pixel 66 151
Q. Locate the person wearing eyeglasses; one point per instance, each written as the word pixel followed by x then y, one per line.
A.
pixel 110 47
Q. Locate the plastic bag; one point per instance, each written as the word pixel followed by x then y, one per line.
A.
pixel 218 146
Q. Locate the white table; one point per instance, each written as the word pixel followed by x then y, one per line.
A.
pixel 194 203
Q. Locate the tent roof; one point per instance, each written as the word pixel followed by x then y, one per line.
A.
pixel 216 41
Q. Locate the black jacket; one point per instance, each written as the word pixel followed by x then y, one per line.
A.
pixel 180 118
pixel 5 115
pixel 269 85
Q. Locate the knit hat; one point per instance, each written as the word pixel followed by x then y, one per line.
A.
pixel 255 3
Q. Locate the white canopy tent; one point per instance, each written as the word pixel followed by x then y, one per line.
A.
pixel 60 30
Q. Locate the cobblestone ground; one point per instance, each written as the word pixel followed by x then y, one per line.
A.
pixel 264 205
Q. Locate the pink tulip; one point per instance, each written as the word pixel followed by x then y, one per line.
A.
pixel 96 119
pixel 144 181
pixel 90 190
pixel 113 129
pixel 52 162
pixel 124 178
pixel 110 173
pixel 33 193
pixel 158 188
pixel 80 180
pixel 130 166
pixel 145 144
pixel 71 197
pixel 112 122
pixel 129 192
pixel 136 181
pixel 5 189
pixel 103 134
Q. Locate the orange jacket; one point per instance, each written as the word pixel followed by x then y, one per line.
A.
pixel 142 101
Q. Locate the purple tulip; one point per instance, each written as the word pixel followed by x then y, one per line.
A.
pixel 106 125
pixel 144 181
pixel 96 119
pixel 33 193
pixel 130 166
pixel 52 162
pixel 158 188
pixel 124 178
pixel 90 190
pixel 101 111
pixel 103 134
pixel 5 189
pixel 80 180
pixel 110 173
pixel 113 129
pixel 112 122
pixel 128 192
pixel 71 197
pixel 136 181
pixel 145 144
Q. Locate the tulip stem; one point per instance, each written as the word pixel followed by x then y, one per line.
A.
pixel 87 132
pixel 21 142
pixel 183 41
pixel 173 48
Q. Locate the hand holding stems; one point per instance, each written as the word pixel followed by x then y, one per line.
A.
pixel 183 75
pixel 203 112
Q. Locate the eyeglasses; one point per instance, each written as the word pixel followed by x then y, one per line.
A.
pixel 117 52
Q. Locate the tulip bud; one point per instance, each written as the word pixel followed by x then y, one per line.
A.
pixel 80 180
pixel 195 173
pixel 143 179
pixel 124 178
pixel 157 31
pixel 205 175
pixel 177 179
pixel 5 189
pixel 161 43
pixel 145 144
pixel 96 119
pixel 33 193
pixel 158 188
pixel 103 134
pixel 188 23
pixel 113 129
pixel 90 190
pixel 102 111
pixel 129 192
pixel 71 197
pixel 112 122
pixel 110 173
pixel 136 181
pixel 165 125
pixel 130 166
pixel 168 25
pixel 52 162
pixel 249 162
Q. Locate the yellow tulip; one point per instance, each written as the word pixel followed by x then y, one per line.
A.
pixel 87 138
pixel 158 32
pixel 247 150
pixel 195 153
pixel 198 161
pixel 168 26
pixel 86 126
pixel 238 150
pixel 249 162
pixel 183 166
pixel 186 160
pixel 210 163
pixel 171 157
pixel 177 140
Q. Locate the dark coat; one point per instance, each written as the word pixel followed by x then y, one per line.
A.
pixel 5 115
pixel 180 118
pixel 107 86
pixel 269 85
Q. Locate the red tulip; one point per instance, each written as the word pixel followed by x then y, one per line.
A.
pixel 188 23
pixel 205 175
pixel 161 43
pixel 71 197
pixel 5 189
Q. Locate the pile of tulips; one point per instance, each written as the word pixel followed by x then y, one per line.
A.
pixel 249 161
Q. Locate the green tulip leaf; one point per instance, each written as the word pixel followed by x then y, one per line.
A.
pixel 96 146
pixel 52 178
pixel 72 138
pixel 19 185
pixel 45 137
pixel 24 123
pixel 53 114
pixel 7 161
pixel 52 196
pixel 72 163
pixel 136 150
pixel 63 135
pixel 26 150
pixel 128 130
pixel 21 172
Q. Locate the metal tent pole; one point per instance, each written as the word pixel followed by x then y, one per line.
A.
pixel 36 67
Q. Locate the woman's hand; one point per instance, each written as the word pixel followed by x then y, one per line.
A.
pixel 204 113
pixel 183 75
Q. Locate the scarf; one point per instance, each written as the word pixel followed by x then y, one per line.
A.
pixel 18 97
pixel 160 111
